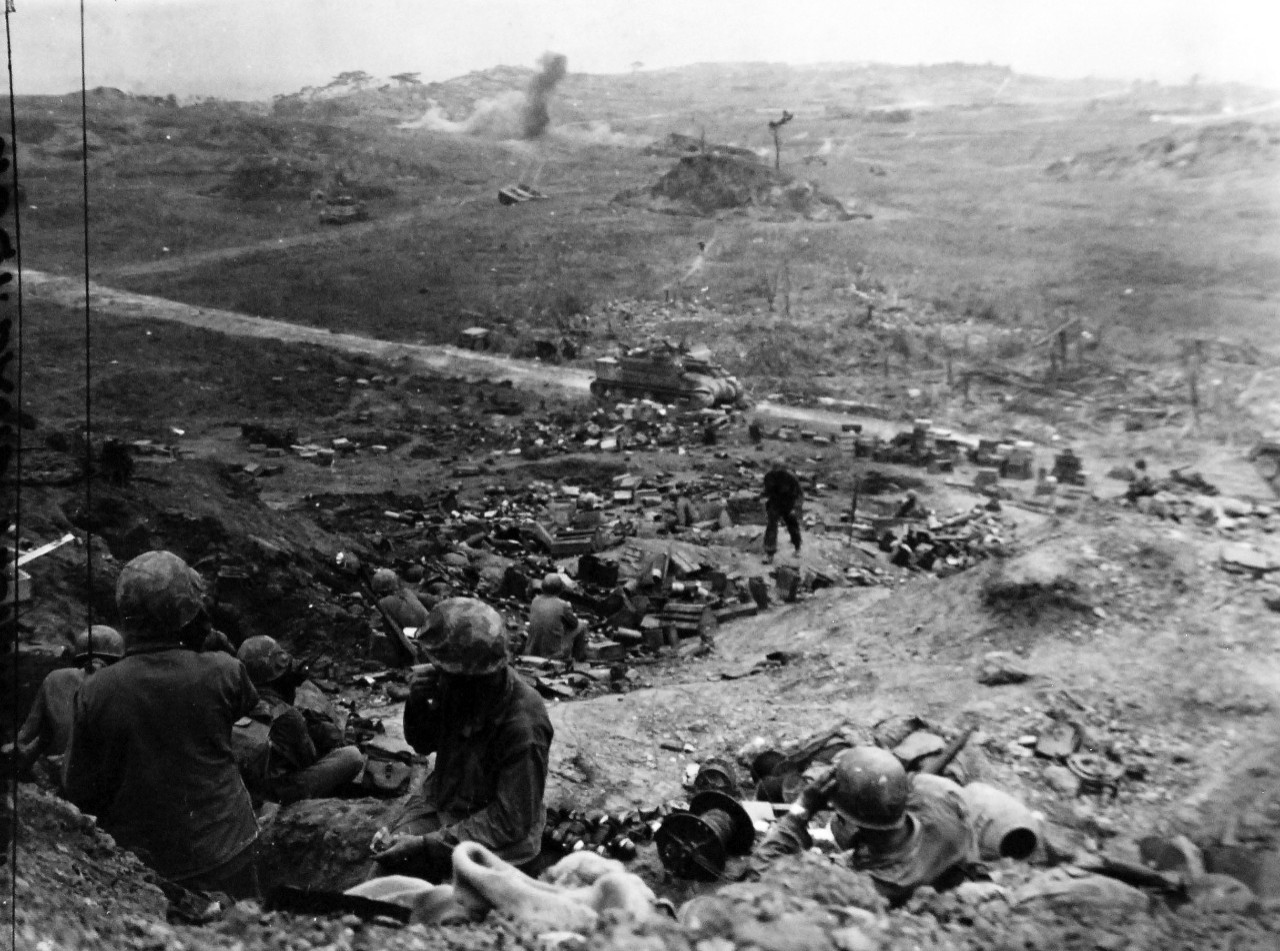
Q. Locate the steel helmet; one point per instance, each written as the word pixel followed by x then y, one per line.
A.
pixel 98 641
pixel 159 592
pixel 264 659
pixel 552 584
pixel 385 581
pixel 871 788
pixel 465 636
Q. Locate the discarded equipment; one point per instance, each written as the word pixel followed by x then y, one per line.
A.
pixel 474 338
pixel 667 373
pixel 696 844
pixel 1004 827
pixel 717 774
pixel 1067 468
pixel 313 902
pixel 1097 773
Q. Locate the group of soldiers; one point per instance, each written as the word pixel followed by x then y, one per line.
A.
pixel 174 738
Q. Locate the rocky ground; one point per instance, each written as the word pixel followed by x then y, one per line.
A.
pixel 1049 620
pixel 1145 630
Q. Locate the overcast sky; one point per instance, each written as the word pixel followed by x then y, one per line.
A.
pixel 256 48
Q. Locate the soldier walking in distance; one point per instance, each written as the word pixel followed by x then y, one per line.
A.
pixel 782 494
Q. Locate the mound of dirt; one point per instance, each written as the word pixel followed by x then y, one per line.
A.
pixel 1204 150
pixel 73 885
pixel 711 183
pixel 1034 584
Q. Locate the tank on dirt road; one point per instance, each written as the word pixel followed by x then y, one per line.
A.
pixel 667 373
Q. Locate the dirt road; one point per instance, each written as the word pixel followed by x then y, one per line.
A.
pixel 436 360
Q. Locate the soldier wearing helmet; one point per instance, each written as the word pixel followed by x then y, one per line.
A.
pixel 492 738
pixel 286 754
pixel 554 630
pixel 42 740
pixel 150 751
pixel 782 494
pixel 905 832
pixel 397 600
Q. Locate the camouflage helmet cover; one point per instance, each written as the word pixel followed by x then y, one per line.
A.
pixel 159 591
pixel 99 641
pixel 385 581
pixel 465 636
pixel 264 659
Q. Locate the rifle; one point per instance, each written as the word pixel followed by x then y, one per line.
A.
pixel 936 764
pixel 310 901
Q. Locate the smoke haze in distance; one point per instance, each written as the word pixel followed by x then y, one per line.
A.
pixel 511 115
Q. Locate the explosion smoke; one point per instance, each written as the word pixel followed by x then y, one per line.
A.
pixel 512 115
pixel 534 117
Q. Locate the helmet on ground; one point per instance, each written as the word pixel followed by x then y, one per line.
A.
pixel 385 581
pixel 465 636
pixel 99 641
pixel 264 659
pixel 159 593
pixel 871 788
pixel 552 584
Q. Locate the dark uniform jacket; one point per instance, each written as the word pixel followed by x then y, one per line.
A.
pixel 491 772
pixel 404 608
pixel 782 489
pixel 151 757
pixel 276 739
pixel 941 842
pixel 47 729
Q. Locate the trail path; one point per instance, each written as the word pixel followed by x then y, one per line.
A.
pixel 182 262
pixel 438 360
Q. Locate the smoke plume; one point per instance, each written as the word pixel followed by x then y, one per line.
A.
pixel 534 117
pixel 512 115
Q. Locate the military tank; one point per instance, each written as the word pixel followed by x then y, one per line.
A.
pixel 667 373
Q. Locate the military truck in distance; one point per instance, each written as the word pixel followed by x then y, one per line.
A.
pixel 667 373
pixel 342 210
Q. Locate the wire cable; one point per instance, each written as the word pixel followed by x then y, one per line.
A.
pixel 15 340
pixel 88 343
